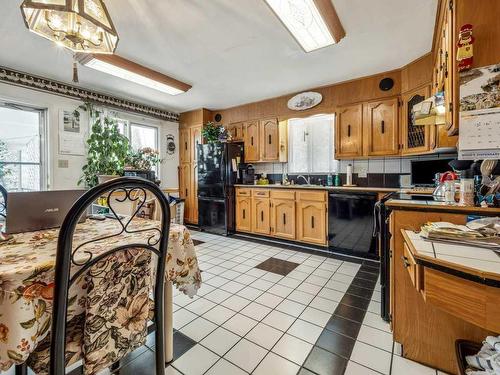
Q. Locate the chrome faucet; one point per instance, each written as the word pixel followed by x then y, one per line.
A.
pixel 307 180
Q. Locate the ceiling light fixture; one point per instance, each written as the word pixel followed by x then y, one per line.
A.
pixel 79 25
pixel 131 71
pixel 313 23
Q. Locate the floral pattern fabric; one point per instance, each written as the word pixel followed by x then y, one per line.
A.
pixel 27 282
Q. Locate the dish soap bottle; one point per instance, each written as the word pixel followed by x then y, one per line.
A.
pixel 329 180
pixel 337 180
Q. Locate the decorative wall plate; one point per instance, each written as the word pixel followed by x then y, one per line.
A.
pixel 305 100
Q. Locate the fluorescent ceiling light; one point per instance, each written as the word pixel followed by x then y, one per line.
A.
pixel 313 23
pixel 130 71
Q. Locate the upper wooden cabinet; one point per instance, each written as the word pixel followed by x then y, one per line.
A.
pixel 348 131
pixel 252 141
pixel 416 139
pixel 237 131
pixel 380 124
pixel 270 140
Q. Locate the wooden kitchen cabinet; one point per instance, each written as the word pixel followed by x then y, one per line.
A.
pixel 236 131
pixel 252 141
pixel 184 180
pixel 311 222
pixel 261 215
pixel 380 124
pixel 348 131
pixel 244 213
pixel 283 218
pixel 184 145
pixel 415 139
pixel 269 140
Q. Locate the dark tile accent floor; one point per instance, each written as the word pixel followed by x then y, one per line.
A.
pixel 197 242
pixel 334 346
pixel 279 266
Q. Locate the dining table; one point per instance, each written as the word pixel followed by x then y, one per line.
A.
pixel 27 262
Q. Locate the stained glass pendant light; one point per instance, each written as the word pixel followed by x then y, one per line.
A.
pixel 80 25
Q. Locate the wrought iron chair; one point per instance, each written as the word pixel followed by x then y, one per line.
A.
pixel 155 242
pixel 3 202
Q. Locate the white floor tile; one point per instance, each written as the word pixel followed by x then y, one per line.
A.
pixel 272 277
pixel 280 290
pixel 279 320
pixel 274 364
pixel 375 321
pixel 305 331
pixel 232 287
pixel 371 357
pixel 355 369
pixel 262 284
pixel 235 303
pixel 196 360
pixel 220 341
pixel 198 329
pixel 374 307
pixel 224 367
pixel 324 304
pixel 316 280
pixel 219 314
pixel 246 355
pixel 264 335
pixel 301 297
pixel 256 311
pixel 204 289
pixel 269 300
pixel 375 337
pixel 249 293
pixel 333 295
pixel 291 307
pixel 183 317
pixel 217 281
pixel 168 371
pixel 240 324
pixel 289 282
pixel 309 288
pixel 403 366
pixel 200 306
pixel 218 295
pixel 293 349
pixel 245 279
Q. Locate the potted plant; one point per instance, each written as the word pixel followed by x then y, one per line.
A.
pixel 141 163
pixel 107 152
pixel 213 133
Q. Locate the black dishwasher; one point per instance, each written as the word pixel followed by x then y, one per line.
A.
pixel 351 223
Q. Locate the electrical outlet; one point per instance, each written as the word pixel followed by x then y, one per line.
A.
pixel 62 163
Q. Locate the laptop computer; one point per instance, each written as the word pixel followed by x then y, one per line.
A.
pixel 32 211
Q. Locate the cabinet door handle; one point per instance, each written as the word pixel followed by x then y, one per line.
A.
pixel 406 264
pixel 185 146
pixel 284 219
pixel 243 213
pixel 186 192
pixel 251 141
pixel 270 141
pixel 312 222
pixel 261 215
pixel 349 131
pixel 383 126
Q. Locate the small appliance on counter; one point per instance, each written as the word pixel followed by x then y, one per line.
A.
pixel 423 172
pixel 219 166
pixel 247 174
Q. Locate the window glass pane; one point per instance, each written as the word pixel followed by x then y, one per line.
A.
pixel 122 126
pixel 20 141
pixel 298 146
pixel 320 130
pixel 143 136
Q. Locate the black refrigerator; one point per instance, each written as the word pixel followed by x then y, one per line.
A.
pixel 218 171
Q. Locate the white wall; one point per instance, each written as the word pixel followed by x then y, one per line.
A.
pixel 67 178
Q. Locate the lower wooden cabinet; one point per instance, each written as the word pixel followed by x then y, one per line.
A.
pixel 244 214
pixel 261 216
pixel 283 218
pixel 311 222
pixel 286 214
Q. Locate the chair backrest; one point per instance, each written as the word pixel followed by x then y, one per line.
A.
pixel 153 239
pixel 3 201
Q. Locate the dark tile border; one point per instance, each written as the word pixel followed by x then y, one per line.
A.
pixel 331 353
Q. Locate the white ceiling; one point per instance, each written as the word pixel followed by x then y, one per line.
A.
pixel 231 51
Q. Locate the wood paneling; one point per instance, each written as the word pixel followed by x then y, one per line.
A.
pixel 416 74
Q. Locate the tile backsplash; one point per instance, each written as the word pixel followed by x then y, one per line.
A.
pixel 383 172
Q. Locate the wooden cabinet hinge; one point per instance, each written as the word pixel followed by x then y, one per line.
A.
pixel 390 253
pixel 450 107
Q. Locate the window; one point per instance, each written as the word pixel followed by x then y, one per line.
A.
pixel 311 145
pixel 22 149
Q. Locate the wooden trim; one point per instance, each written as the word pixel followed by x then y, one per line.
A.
pixel 131 66
pixel 331 18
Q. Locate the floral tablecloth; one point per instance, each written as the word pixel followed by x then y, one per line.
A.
pixel 27 274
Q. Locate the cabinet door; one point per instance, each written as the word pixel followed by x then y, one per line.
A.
pixel 348 132
pixel 270 140
pixel 236 131
pixel 252 143
pixel 283 218
pixel 416 139
pixel 184 144
pixel 194 140
pixel 244 214
pixel 448 70
pixel 311 222
pixel 381 126
pixel 185 188
pixel 260 216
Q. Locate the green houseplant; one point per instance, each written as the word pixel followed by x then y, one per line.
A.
pixel 107 151
pixel 213 133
